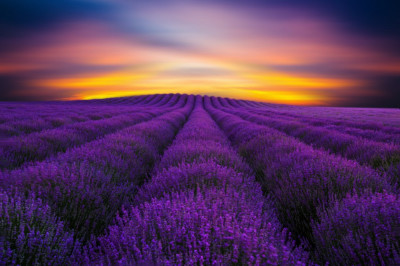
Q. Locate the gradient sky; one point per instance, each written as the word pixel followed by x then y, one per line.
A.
pixel 337 53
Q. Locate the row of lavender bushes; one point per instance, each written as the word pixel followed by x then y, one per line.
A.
pixel 144 100
pixel 202 206
pixel 385 157
pixel 57 118
pixel 351 119
pixel 345 213
pixel 15 152
pixel 16 112
pixel 372 132
pixel 51 209
pixel 37 146
pixel 382 119
pixel 11 113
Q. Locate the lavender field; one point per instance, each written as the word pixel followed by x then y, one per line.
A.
pixel 171 179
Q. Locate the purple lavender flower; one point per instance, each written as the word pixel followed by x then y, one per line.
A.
pixel 360 230
pixel 30 234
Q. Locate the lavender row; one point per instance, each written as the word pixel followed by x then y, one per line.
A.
pixel 163 100
pixel 197 209
pixel 355 125
pixel 138 100
pixel 88 185
pixel 303 181
pixel 149 100
pixel 382 156
pixel 35 147
pixel 365 118
pixel 107 153
pixel 374 119
pixel 55 120
pixel 154 100
pixel 118 100
pixel 360 230
pixel 372 132
pixel 372 235
pixel 30 233
pixel 47 116
pixel 18 118
pixel 15 112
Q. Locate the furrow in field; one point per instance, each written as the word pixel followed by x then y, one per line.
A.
pixel 87 186
pixel 14 112
pixel 20 150
pixel 387 135
pixel 56 120
pixel 373 132
pixel 383 157
pixel 383 119
pixel 202 206
pixel 302 181
pixel 165 100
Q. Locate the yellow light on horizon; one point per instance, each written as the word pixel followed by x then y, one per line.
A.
pixel 110 95
pixel 236 81
pixel 285 97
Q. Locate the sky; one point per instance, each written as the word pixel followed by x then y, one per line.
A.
pixel 305 52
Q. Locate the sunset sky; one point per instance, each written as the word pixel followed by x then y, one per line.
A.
pixel 335 53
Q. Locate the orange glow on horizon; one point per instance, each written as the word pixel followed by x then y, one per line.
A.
pixel 254 95
pixel 274 87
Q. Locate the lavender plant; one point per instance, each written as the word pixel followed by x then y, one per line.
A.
pixel 300 178
pixel 360 230
pixel 182 180
pixel 95 180
pixel 197 211
pixel 31 235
